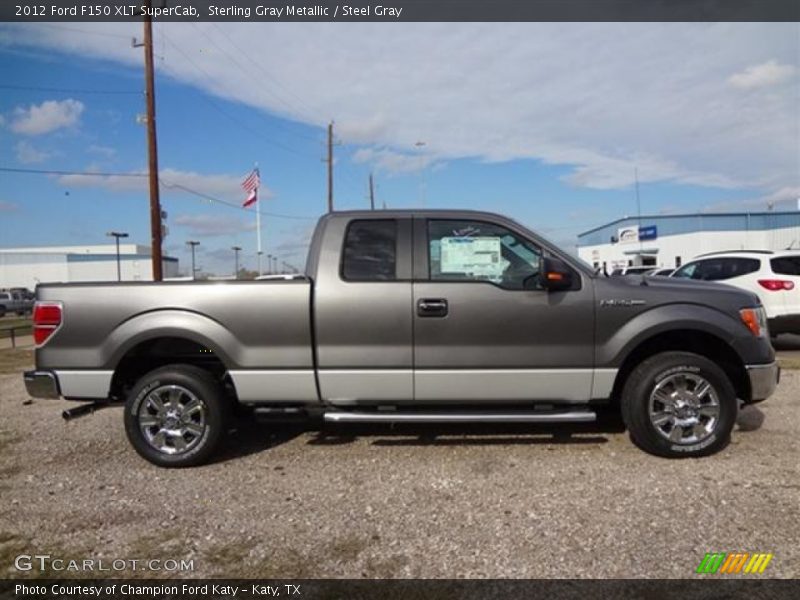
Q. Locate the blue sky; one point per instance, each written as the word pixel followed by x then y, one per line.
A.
pixel 543 122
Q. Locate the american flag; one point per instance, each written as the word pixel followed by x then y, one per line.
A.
pixel 250 185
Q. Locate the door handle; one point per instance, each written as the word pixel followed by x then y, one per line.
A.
pixel 432 307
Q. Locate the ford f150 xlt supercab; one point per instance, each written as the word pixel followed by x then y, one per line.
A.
pixel 409 316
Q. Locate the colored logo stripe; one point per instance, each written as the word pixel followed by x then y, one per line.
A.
pixel 734 562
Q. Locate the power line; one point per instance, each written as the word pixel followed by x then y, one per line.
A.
pixel 266 73
pixel 87 31
pixel 222 110
pixel 62 172
pixel 249 75
pixel 30 88
pixel 164 183
pixel 231 204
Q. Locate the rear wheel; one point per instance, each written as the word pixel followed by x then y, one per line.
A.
pixel 679 404
pixel 175 416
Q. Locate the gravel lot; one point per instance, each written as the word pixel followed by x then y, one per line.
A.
pixel 382 502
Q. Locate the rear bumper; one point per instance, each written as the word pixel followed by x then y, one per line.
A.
pixel 69 384
pixel 41 384
pixel 763 380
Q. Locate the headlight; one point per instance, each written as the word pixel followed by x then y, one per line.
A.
pixel 755 319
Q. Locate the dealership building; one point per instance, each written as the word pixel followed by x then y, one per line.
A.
pixel 672 240
pixel 25 267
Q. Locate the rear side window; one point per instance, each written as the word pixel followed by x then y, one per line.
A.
pixel 718 269
pixel 370 251
pixel 786 265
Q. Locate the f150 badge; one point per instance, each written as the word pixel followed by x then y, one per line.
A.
pixel 623 302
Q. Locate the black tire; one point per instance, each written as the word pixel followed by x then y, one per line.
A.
pixel 2 311
pixel 659 372
pixel 190 383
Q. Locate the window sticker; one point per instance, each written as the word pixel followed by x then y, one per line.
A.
pixel 479 257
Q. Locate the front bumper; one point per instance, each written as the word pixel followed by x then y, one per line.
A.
pixel 763 380
pixel 41 384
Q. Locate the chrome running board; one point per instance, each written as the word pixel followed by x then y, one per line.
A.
pixel 574 416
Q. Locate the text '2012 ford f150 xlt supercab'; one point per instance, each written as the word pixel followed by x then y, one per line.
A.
pixel 409 316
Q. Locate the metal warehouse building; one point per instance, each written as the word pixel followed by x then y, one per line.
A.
pixel 671 240
pixel 25 267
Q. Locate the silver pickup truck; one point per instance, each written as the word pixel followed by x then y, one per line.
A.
pixel 409 316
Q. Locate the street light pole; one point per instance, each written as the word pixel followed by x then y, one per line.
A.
pixel 192 243
pixel 269 264
pixel 420 145
pixel 117 235
pixel 236 250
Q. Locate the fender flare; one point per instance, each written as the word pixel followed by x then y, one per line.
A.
pixel 664 319
pixel 170 323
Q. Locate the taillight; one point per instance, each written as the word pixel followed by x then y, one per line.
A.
pixel 46 319
pixel 776 285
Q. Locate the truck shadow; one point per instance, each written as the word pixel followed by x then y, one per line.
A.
pixel 750 418
pixel 251 438
pixel 472 434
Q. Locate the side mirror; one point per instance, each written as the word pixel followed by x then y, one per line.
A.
pixel 556 275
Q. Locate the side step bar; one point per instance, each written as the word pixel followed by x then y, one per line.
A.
pixel 575 416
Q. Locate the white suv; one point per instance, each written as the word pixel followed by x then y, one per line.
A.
pixel 773 276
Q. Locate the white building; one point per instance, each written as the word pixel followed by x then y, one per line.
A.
pixel 671 240
pixel 25 267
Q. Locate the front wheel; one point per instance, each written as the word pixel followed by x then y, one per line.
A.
pixel 175 416
pixel 679 404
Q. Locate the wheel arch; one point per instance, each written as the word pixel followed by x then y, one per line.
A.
pixel 156 339
pixel 687 339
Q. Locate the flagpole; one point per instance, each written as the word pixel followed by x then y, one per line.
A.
pixel 258 223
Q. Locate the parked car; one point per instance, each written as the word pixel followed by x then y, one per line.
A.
pixel 632 271
pixel 773 276
pixel 13 302
pixel 662 272
pixel 409 316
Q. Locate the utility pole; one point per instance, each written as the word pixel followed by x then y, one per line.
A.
pixel 269 264
pixel 371 193
pixel 330 166
pixel 152 152
pixel 117 235
pixel 193 243
pixel 236 250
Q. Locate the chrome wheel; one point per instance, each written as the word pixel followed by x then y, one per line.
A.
pixel 172 419
pixel 684 408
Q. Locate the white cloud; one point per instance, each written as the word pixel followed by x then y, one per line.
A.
pixel 596 98
pixel 173 181
pixel 6 207
pixel 393 162
pixel 213 225
pixel 48 116
pixel 27 154
pixel 763 75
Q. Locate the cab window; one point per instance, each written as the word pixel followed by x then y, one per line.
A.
pixel 478 251
pixel 370 251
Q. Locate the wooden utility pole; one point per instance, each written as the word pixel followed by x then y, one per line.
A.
pixel 330 166
pixel 371 193
pixel 152 151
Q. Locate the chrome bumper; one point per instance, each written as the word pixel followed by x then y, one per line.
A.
pixel 763 380
pixel 41 384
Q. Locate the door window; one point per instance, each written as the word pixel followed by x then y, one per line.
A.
pixel 718 269
pixel 370 251
pixel 479 251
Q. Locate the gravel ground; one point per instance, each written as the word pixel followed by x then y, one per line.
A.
pixel 382 502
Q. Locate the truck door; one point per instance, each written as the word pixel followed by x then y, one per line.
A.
pixel 485 330
pixel 362 311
